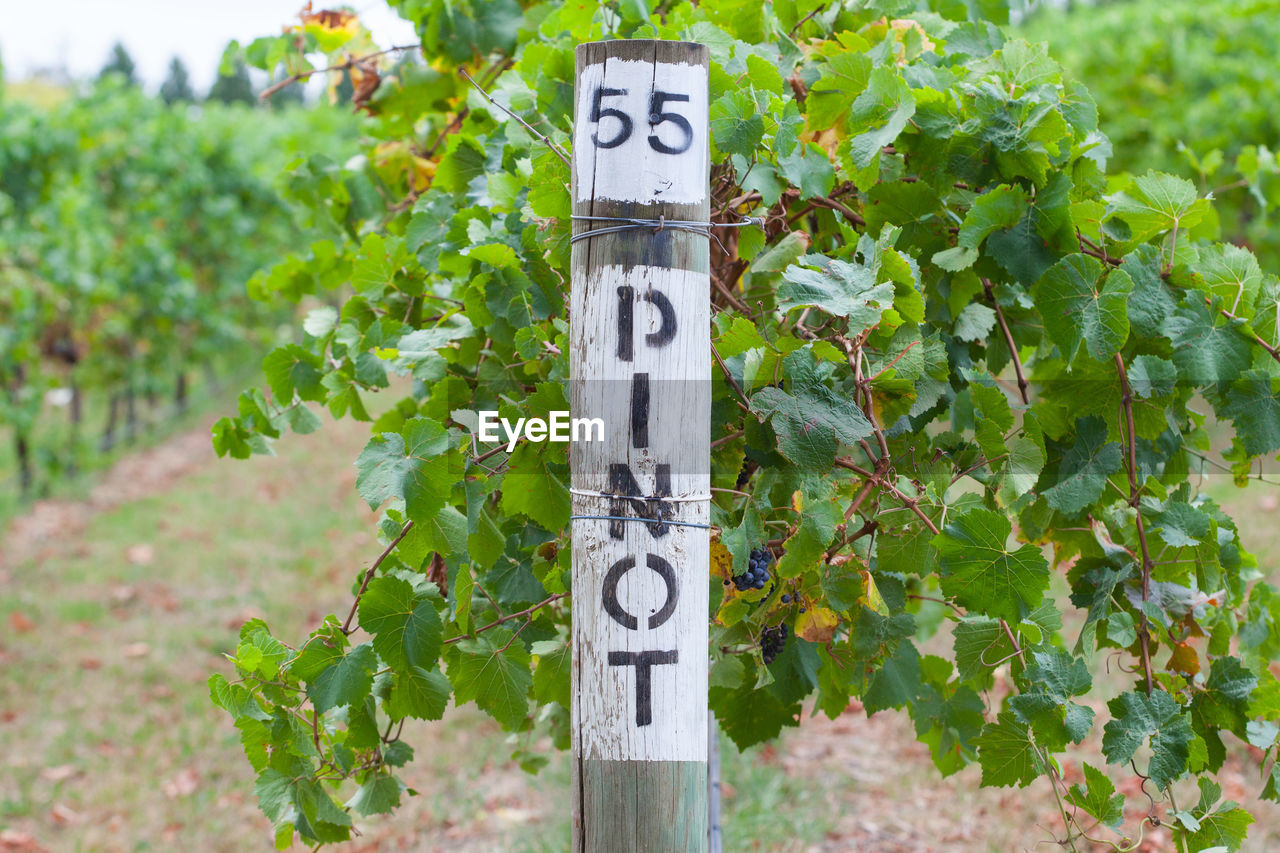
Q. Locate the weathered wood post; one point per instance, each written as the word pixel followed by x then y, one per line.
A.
pixel 640 361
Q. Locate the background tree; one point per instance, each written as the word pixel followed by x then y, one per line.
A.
pixel 120 63
pixel 232 88
pixel 177 86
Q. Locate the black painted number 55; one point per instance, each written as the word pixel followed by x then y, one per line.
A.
pixel 656 117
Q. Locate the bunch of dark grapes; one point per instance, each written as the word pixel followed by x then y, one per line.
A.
pixel 757 573
pixel 773 641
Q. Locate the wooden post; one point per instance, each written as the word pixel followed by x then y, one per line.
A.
pixel 641 362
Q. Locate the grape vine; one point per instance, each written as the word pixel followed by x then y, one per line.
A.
pixel 127 230
pixel 964 379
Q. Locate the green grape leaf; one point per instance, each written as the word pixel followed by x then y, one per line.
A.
pixel 377 262
pixel 1135 718
pixel 463 586
pixel 406 628
pixel 980 644
pixel 235 699
pixel 1224 828
pixel 1224 701
pixel 1053 678
pixel 1181 525
pixel 1007 754
pixel 1151 376
pixel 995 210
pixel 749 716
pixel 1151 302
pixel 1232 274
pixel 551 675
pixel 1253 405
pixel 344 682
pixel 291 368
pixel 1080 306
pixel 974 322
pixel 811 417
pixel 808 168
pixel 1082 477
pixel 841 289
pixel 844 77
pixel 879 114
pixel 1098 797
pixel 493 671
pixel 736 124
pixel 980 573
pixel 411 465
pixel 1156 203
pixel 896 683
pixel 534 488
pixel 419 693
pixel 743 334
pixel 1204 352
pixel 380 794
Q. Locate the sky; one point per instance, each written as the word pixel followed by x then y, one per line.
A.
pixel 78 34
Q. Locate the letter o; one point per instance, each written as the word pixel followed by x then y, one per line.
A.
pixel 609 594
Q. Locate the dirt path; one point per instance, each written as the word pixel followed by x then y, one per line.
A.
pixel 54 521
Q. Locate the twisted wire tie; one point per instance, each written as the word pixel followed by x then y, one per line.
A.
pixel 658 225
pixel 590 493
pixel 658 521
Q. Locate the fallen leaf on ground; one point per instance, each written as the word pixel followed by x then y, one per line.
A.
pixel 140 555
pixel 183 784
pixel 16 841
pixel 20 622
pixel 61 773
pixel 136 650
pixel 61 813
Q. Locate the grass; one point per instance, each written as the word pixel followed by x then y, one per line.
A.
pixel 113 636
pixel 107 737
pixel 108 740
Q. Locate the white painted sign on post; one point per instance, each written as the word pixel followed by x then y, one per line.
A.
pixel 643 585
pixel 638 142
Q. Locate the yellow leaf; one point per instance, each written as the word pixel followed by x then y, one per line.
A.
pixel 721 560
pixel 817 625
pixel 423 171
pixel 901 26
pixel 827 139
pixel 331 29
pixel 797 501
pixel 871 597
